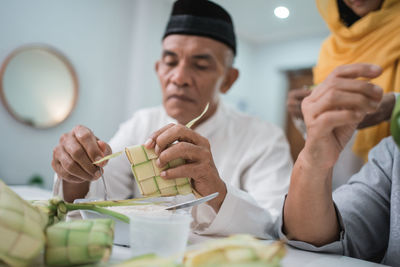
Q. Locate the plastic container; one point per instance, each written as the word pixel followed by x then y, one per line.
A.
pixel 121 233
pixel 163 234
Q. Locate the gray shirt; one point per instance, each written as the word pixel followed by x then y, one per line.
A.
pixel 368 209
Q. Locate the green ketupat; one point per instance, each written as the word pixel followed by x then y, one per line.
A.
pixel 147 174
pixel 54 208
pixel 23 224
pixel 239 250
pixel 79 242
pixel 21 229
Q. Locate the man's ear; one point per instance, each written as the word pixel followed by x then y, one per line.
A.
pixel 230 78
pixel 157 65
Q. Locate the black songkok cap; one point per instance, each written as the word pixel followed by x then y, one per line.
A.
pixel 202 18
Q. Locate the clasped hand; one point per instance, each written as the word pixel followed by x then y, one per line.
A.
pixel 335 108
pixel 177 141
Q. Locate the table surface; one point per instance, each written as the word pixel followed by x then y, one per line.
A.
pixel 294 257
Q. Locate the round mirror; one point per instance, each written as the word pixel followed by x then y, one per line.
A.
pixel 38 86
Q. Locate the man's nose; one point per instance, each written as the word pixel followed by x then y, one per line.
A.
pixel 181 75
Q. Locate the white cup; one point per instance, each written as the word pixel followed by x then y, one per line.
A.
pixel 165 235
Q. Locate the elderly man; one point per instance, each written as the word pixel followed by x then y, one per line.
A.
pixel 362 219
pixel 247 161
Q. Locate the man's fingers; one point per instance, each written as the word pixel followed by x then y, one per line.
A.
pixel 358 70
pixel 336 100
pixel 78 154
pixel 383 112
pixel 73 168
pixel 183 150
pixel 106 149
pixel 293 103
pixel 64 174
pixel 330 120
pixel 368 89
pixel 177 133
pixel 299 94
pixel 73 157
pixel 186 170
pixel 365 88
pixel 89 142
pixel 151 141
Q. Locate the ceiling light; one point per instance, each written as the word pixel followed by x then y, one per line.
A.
pixel 281 12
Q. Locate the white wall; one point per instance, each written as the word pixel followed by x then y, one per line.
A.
pixel 94 35
pixel 239 95
pixel 149 23
pixel 262 87
pixel 270 84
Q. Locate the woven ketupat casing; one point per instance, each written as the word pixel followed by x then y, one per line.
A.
pixel 21 229
pixel 147 174
pixel 79 242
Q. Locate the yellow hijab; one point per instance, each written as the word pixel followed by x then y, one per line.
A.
pixel 375 38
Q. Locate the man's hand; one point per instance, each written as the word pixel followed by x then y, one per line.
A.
pixel 335 108
pixel 73 160
pixel 196 152
pixel 331 113
pixel 383 113
pixel 293 103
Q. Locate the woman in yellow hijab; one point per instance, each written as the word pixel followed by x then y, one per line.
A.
pixel 364 31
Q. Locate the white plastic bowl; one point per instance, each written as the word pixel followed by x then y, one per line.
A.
pixel 121 230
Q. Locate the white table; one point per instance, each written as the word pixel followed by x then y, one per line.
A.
pixel 294 257
pixel 31 192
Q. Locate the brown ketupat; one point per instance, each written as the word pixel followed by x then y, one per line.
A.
pixel 21 229
pixel 147 174
pixel 79 242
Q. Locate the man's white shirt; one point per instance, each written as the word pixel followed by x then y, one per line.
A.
pixel 252 158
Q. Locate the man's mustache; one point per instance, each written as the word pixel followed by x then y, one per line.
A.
pixel 180 97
